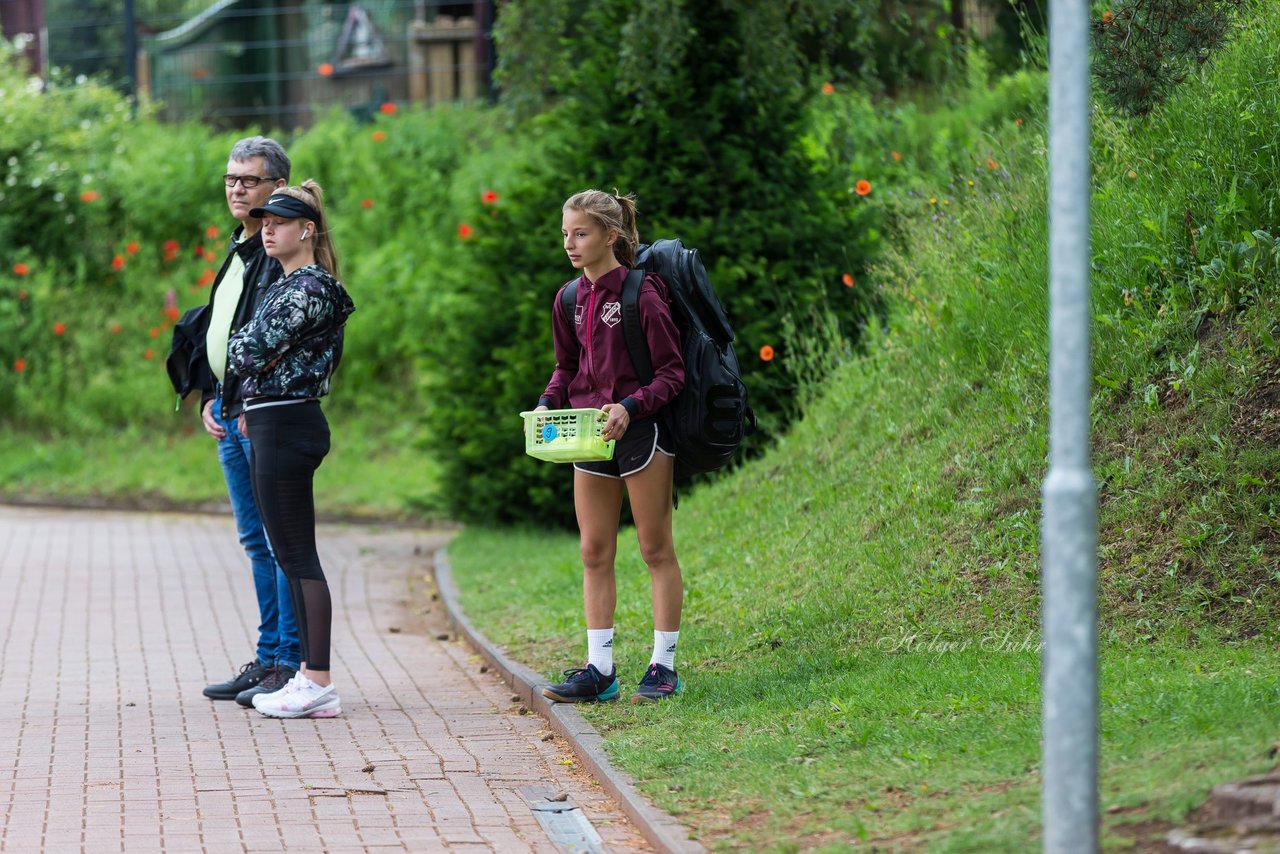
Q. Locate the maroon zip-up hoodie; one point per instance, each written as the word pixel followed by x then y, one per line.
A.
pixel 593 367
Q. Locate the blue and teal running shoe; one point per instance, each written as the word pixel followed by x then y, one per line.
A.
pixel 584 685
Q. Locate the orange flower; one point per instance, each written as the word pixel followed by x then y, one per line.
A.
pixel 132 247
pixel 206 278
pixel 378 136
pixel 464 231
pixel 20 366
pixel 828 89
pixel 209 256
pixel 1018 122
pixel 992 165
pixel 171 246
pixel 89 196
pixel 489 197
pixel 21 269
pixel 847 278
pixel 366 204
pixel 863 187
pixel 154 332
pixel 59 328
pixel 171 312
pixel 116 329
pixel 766 353
pixel 896 155
pixel 117 263
pixel 388 108
pixel 212 231
pixel 325 69
pixel 148 354
pixel 1108 17
pixel 170 254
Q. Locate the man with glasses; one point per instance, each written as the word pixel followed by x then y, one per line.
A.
pixel 257 166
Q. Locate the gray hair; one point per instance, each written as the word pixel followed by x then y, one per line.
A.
pixel 269 150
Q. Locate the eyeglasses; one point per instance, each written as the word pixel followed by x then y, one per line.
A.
pixel 249 181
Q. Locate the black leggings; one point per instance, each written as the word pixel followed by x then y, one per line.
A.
pixel 287 443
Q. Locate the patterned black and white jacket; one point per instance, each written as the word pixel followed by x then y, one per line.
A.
pixel 293 344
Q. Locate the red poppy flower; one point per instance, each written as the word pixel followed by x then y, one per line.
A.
pixel 171 246
pixel 59 328
pixel 116 329
pixel 148 354
pixel 171 312
pixel 132 247
pixel 378 136
pixel 20 366
pixel 366 204
pixel 1108 17
pixel 199 251
pixel 388 108
pixel 89 196
pixel 828 89
pixel 209 256
pixel 862 188
pixel 21 269
pixel 766 353
pixel 992 165
pixel 170 254
pixel 464 231
pixel 489 197
pixel 847 278
pixel 1018 122
pixel 154 332
pixel 117 263
pixel 212 231
pixel 206 278
pixel 325 69
pixel 896 155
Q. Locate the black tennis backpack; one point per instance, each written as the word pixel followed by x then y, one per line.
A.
pixel 710 417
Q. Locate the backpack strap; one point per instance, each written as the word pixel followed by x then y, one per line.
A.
pixel 568 299
pixel 632 333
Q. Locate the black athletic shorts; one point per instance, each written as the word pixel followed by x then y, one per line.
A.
pixel 634 450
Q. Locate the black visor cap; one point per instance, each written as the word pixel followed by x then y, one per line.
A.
pixel 287 207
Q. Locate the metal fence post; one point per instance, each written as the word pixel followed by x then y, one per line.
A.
pixel 1069 533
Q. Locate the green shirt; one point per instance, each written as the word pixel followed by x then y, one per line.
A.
pixel 225 300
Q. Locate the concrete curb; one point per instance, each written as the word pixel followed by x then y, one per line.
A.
pixel 662 831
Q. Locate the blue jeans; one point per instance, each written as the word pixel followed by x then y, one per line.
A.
pixel 278 629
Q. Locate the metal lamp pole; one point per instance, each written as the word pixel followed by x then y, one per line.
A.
pixel 1069 534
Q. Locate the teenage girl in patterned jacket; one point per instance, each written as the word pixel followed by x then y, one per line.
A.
pixel 286 356
pixel 593 369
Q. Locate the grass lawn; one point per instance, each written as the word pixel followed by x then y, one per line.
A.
pixel 860 644
pixel 370 471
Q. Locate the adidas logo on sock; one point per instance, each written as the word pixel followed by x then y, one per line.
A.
pixel 671 648
pixel 608 644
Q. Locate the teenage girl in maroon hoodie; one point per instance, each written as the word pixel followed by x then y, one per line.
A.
pixel 593 369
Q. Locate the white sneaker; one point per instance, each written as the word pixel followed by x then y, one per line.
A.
pixel 288 687
pixel 301 698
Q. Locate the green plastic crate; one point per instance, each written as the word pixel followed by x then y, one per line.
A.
pixel 566 435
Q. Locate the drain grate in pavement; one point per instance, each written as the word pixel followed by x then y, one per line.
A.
pixel 565 824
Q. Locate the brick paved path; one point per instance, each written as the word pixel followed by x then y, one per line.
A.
pixel 112 623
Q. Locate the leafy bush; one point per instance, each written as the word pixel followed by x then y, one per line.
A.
pixel 713 151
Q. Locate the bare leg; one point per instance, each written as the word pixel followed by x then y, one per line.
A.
pixel 598 502
pixel 650 493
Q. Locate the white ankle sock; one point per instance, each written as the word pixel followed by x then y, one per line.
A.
pixel 600 649
pixel 664 648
